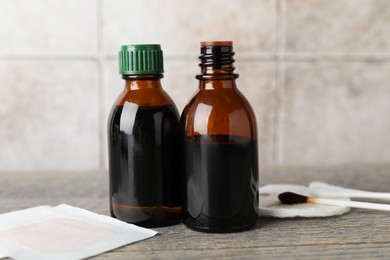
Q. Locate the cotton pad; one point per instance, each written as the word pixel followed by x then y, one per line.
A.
pixel 269 204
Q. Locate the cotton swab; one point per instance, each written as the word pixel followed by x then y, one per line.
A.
pixel 324 190
pixel 294 198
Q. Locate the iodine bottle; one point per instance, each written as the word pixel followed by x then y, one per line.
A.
pixel 143 143
pixel 219 142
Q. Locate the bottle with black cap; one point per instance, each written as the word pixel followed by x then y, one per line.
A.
pixel 219 144
pixel 143 143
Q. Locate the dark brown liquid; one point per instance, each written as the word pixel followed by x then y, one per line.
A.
pixel 144 177
pixel 222 183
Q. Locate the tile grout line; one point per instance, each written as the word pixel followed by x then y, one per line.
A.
pixel 335 57
pixel 275 97
pixel 45 57
pixel 101 79
pixel 279 85
pixel 272 155
pixel 255 57
pixel 282 80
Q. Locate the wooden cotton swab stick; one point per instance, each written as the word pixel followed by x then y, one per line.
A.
pixel 293 198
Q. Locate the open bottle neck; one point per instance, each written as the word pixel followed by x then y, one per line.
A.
pixel 217 70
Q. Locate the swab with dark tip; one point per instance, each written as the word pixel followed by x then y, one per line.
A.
pixel 293 198
pixel 321 189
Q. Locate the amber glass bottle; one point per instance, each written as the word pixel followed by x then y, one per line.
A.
pixel 143 143
pixel 219 136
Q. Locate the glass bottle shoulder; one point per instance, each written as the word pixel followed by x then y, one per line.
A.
pixel 219 112
pixel 144 97
pixel 139 104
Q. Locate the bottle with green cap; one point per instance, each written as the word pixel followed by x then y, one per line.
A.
pixel 143 143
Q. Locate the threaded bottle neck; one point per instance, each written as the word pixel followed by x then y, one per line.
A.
pixel 216 61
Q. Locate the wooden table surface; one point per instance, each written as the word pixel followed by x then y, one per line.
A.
pixel 361 234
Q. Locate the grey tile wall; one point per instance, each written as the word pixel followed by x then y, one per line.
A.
pixel 336 112
pixel 316 72
pixel 334 94
pixel 48 26
pixel 337 26
pixel 180 25
pixel 49 115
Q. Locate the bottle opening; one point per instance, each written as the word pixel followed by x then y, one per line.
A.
pixel 216 43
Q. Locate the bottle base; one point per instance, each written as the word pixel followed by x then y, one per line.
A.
pixel 148 217
pixel 195 225
pixel 155 224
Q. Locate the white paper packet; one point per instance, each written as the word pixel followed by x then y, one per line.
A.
pixel 63 232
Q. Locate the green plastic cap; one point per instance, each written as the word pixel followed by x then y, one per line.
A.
pixel 141 59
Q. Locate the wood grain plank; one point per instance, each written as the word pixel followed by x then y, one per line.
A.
pixel 359 234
